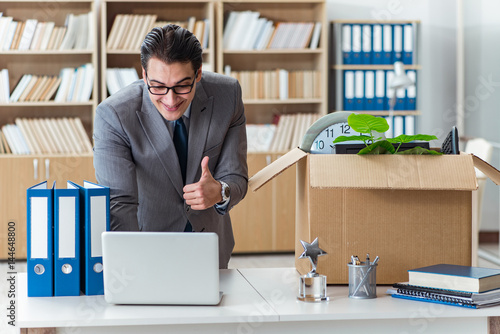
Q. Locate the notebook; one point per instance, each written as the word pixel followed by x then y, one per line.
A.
pixel 161 268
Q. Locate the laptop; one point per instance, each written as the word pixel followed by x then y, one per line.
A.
pixel 163 268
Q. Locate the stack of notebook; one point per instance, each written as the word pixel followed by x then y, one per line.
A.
pixel 465 286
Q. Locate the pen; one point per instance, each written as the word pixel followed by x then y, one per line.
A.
pixel 365 277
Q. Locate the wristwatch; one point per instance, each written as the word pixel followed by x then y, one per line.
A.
pixel 226 191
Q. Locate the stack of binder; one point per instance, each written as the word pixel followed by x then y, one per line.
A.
pixel 368 90
pixel 64 239
pixel 378 44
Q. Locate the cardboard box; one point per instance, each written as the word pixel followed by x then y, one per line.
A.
pixel 410 210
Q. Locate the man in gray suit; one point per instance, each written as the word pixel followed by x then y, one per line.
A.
pixel 141 134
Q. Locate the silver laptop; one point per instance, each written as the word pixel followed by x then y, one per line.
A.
pixel 161 268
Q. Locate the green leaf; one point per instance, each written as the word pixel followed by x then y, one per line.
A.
pixel 417 150
pixel 341 139
pixel 379 147
pixel 407 139
pixel 365 123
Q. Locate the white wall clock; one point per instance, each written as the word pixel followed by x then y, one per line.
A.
pixel 320 136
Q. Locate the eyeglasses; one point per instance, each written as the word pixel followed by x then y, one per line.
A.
pixel 180 89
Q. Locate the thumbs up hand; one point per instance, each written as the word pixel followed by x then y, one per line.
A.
pixel 204 193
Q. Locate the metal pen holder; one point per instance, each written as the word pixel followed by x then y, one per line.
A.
pixel 363 280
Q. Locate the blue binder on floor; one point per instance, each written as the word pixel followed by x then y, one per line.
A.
pixel 67 241
pixel 94 219
pixel 40 260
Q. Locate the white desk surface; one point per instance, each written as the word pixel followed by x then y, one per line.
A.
pixel 256 300
pixel 279 287
pixel 240 302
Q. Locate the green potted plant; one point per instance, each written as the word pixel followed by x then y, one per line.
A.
pixel 372 129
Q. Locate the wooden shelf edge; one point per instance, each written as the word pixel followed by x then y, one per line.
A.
pixel 47 155
pixel 275 51
pixel 287 101
pixel 45 52
pixel 48 104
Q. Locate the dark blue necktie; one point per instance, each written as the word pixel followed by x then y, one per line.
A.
pixel 181 146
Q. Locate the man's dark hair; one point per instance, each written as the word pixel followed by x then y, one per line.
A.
pixel 171 44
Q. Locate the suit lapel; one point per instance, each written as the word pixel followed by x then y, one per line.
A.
pixel 157 133
pixel 199 124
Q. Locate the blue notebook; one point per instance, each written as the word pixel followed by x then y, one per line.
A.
pixel 455 302
pixel 455 277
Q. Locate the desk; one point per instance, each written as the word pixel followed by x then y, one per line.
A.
pixel 255 301
pixel 92 314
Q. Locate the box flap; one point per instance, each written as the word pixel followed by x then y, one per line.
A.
pixel 487 169
pixel 424 172
pixel 276 168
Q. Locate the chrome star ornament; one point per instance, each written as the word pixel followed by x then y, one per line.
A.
pixel 312 251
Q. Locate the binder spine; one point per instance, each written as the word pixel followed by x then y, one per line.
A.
pixel 356 44
pixel 66 242
pixel 347 44
pixel 40 265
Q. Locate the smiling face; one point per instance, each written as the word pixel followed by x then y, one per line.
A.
pixel 171 105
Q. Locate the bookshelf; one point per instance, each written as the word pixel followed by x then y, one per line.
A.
pixel 339 66
pixel 271 227
pixel 22 171
pixel 165 11
pixel 261 111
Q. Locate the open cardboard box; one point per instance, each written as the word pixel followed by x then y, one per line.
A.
pixel 410 210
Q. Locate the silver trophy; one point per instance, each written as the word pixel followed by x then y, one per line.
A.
pixel 312 286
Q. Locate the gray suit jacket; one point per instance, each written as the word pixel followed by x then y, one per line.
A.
pixel 135 156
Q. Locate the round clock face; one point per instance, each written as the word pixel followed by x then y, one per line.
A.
pixel 320 136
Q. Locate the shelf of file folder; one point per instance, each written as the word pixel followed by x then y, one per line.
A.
pixel 374 42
